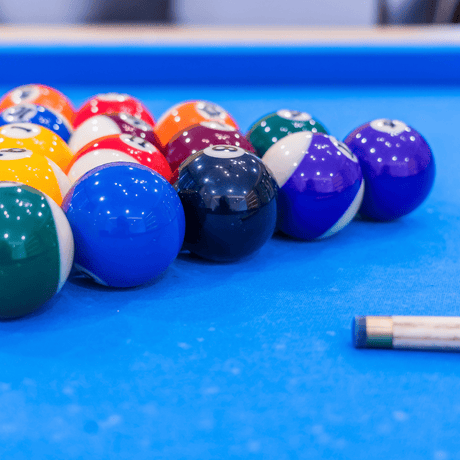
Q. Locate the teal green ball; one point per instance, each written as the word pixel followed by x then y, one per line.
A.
pixel 274 126
pixel 36 249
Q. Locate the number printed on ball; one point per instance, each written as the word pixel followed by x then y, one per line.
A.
pixel 210 111
pixel 137 142
pixel 14 154
pixel 20 130
pixel 224 151
pixel 20 113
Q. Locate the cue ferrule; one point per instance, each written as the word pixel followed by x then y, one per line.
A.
pixel 407 332
pixel 379 332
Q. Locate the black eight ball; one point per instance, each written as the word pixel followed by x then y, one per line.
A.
pixel 229 199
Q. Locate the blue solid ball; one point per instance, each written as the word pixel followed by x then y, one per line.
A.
pixel 39 115
pixel 128 224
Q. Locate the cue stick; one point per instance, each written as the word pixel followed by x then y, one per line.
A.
pixel 407 332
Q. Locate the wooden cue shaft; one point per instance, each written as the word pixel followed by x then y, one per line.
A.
pixel 407 332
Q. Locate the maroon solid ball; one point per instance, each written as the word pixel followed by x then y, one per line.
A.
pixel 108 124
pixel 200 136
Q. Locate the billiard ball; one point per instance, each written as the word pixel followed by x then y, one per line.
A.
pixel 118 147
pixel 186 114
pixel 128 224
pixel 37 139
pixel 274 126
pixel 198 137
pixel 112 103
pixel 397 165
pixel 39 115
pixel 36 249
pixel 43 95
pixel 105 125
pixel 229 199
pixel 35 170
pixel 321 184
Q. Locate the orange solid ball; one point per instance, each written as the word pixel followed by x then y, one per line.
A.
pixel 185 114
pixel 42 95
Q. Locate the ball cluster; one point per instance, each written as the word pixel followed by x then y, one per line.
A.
pixel 117 195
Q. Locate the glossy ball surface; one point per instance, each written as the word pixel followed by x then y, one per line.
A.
pixel 274 126
pixel 36 249
pixel 118 147
pixel 38 139
pixel 321 184
pixel 43 95
pixel 27 167
pixel 128 224
pixel 112 103
pixel 397 165
pixel 201 136
pixel 108 124
pixel 229 199
pixel 38 115
pixel 185 114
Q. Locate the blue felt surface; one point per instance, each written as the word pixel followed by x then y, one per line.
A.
pixel 255 359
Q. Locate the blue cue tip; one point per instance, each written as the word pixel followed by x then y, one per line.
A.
pixel 359 333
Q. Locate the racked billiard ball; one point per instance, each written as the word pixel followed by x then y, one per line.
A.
pixel 115 148
pixel 185 114
pixel 274 126
pixel 108 124
pixel 198 137
pixel 397 165
pixel 128 224
pixel 112 103
pixel 36 249
pixel 38 139
pixel 321 184
pixel 35 170
pixel 229 199
pixel 39 115
pixel 43 95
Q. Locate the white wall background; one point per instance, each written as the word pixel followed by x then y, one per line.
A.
pixel 276 12
pixel 206 12
pixel 44 11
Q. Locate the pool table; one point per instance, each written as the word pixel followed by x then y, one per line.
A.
pixel 252 359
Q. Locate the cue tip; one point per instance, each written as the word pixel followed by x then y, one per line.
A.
pixel 359 332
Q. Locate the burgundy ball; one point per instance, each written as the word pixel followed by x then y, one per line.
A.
pixel 200 136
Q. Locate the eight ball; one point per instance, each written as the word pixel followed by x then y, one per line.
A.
pixel 229 199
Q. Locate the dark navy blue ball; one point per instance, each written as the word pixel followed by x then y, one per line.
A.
pixel 229 199
pixel 39 115
pixel 128 224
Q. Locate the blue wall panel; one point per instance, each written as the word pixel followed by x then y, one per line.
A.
pixel 234 65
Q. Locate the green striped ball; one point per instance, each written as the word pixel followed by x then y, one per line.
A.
pixel 36 249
